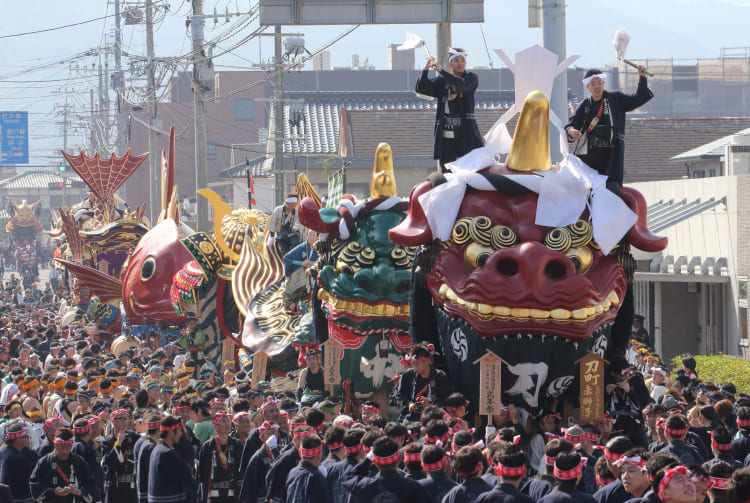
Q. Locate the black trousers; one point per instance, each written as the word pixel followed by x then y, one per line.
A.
pixel 452 149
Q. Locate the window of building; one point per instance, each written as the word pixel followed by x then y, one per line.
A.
pixel 244 109
pixel 711 172
pixel 211 150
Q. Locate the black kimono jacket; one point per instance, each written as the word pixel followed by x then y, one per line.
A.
pixel 441 87
pixel 215 481
pixel 45 478
pixel 15 470
pixel 619 105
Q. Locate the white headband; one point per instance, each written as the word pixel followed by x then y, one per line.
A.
pixel 588 80
pixel 291 200
pixel 454 53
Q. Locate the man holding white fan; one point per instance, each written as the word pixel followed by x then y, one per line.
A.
pixel 598 125
pixel 456 131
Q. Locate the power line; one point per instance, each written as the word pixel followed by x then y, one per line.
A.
pixel 298 64
pixel 56 27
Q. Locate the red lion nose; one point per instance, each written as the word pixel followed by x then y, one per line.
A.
pixel 531 263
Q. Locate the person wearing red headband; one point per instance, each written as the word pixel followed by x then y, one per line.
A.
pixel 422 385
pixel 633 475
pixel 613 451
pixel 721 446
pixel 413 461
pixel 676 429
pixel 741 444
pixel 545 481
pixel 436 463
pixel 271 414
pixel 288 459
pixel 509 465
pixel 61 474
pixel 18 460
pixel 338 471
pixel 49 427
pixel 583 442
pixel 568 471
pixel 170 478
pixel 219 477
pixel 243 424
pixel 604 477
pixel 143 448
pixel 306 482
pixel 118 460
pixel 369 409
pixel 468 463
pixel 388 484
pixel 334 442
pixel 188 444
pixel 702 482
pixel 674 484
pixel 254 481
pixel 720 476
pixel 85 447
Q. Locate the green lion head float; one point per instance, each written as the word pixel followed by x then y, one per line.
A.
pixel 364 279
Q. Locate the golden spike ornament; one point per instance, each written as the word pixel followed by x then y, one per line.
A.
pixel 221 210
pixel 530 148
pixel 383 179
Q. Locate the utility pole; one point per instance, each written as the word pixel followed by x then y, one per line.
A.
pixel 65 123
pixel 105 88
pixel 278 115
pixel 118 87
pixel 443 41
pixel 154 176
pixel 199 117
pixel 93 123
pixel 553 34
pixel 101 93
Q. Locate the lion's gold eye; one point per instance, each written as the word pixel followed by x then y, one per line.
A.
pixel 581 257
pixel 476 255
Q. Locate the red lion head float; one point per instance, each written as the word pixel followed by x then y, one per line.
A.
pixel 539 297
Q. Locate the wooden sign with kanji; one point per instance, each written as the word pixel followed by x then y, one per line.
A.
pixel 591 379
pixel 331 362
pixel 260 363
pixel 490 386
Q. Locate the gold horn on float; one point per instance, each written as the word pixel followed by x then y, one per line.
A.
pixel 221 210
pixel 530 148
pixel 305 189
pixel 383 179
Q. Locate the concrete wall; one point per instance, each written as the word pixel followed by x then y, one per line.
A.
pixel 680 330
pixel 703 168
pixel 718 232
pixel 743 244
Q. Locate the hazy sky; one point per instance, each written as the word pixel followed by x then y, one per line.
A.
pixel 680 29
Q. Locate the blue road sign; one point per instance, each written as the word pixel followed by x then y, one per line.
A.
pixel 14 137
